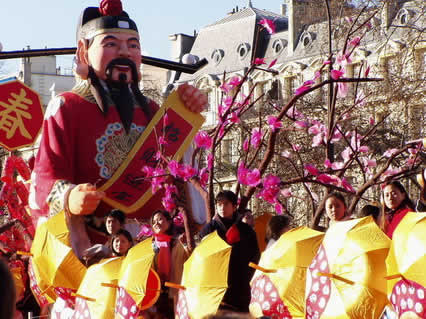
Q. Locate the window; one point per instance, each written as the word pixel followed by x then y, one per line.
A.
pixel 278 46
pixel 242 50
pixel 290 84
pixel 229 151
pixel 217 56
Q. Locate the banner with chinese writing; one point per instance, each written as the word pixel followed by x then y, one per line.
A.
pixel 21 115
pixel 128 189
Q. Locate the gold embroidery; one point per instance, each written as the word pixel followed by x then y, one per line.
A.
pixel 117 148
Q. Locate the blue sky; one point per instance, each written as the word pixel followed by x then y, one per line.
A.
pixel 52 23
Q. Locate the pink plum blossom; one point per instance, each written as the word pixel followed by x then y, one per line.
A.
pixel 286 192
pixel 204 177
pixel 259 61
pixel 286 154
pixel 235 81
pixel 337 74
pixel 355 41
pixel 367 71
pixel 210 161
pixel 301 124
pixel 329 179
pixel 273 62
pixel 311 169
pixel 162 140
pixel 234 118
pixel 274 123
pixel 296 147
pixel 248 177
pixel 203 140
pixel 145 231
pixel 342 89
pixel 246 145
pixel 279 208
pixel 256 137
pixel 346 185
pixel 269 25
pixel 327 62
pixel 271 189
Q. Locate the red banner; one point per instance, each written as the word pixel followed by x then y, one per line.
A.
pixel 128 189
pixel 21 115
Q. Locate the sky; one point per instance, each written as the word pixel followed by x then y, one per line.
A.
pixel 52 23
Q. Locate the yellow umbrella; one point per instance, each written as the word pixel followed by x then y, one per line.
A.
pixel 406 267
pixel 139 286
pixel 205 278
pixel 346 279
pixel 278 285
pixel 95 300
pixel 54 262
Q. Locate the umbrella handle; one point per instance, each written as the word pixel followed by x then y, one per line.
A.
pixel 393 277
pixel 334 276
pixel 24 253
pixel 104 284
pixel 264 270
pixel 173 285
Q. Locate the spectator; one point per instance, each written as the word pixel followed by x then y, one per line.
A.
pixel 121 243
pixel 277 226
pixel 243 240
pixel 396 204
pixel 7 304
pixel 172 252
pixel 114 221
pixel 335 207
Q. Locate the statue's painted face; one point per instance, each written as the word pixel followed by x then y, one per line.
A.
pixel 109 46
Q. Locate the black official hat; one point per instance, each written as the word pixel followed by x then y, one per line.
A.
pixel 109 17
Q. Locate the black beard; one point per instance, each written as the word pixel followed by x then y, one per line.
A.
pixel 123 95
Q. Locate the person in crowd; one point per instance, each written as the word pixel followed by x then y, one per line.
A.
pixel 114 221
pixel 248 217
pixel 335 207
pixel 8 295
pixel 243 240
pixel 276 226
pixel 121 243
pixel 370 210
pixel 172 251
pixel 396 204
pixel 89 131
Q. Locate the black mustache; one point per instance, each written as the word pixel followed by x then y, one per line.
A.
pixel 122 61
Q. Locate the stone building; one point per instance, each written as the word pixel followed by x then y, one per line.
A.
pixel 299 46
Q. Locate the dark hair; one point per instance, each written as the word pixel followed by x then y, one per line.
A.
pixel 7 303
pixel 227 195
pixel 167 216
pixel 118 215
pixel 370 210
pixel 126 234
pixel 276 225
pixel 337 195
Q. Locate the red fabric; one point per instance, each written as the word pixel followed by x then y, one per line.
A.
pixel 233 235
pixel 69 145
pixel 164 255
pixel 111 7
pixel 397 217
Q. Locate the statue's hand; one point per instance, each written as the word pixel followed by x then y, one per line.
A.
pixel 194 100
pixel 83 199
